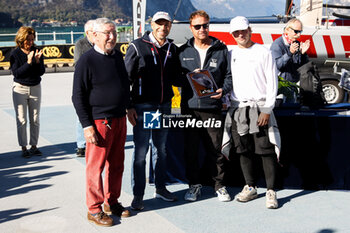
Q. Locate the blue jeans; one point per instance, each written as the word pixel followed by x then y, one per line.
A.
pixel 153 161
pixel 80 135
pixel 141 145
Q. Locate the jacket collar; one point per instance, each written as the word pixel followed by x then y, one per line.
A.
pixel 147 38
pixel 216 42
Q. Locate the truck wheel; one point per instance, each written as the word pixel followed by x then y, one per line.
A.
pixel 332 92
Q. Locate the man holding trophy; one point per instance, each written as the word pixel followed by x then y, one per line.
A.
pixel 205 62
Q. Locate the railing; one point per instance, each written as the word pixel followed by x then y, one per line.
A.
pixel 68 36
pixel 53 35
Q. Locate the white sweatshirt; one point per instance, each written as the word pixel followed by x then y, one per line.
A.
pixel 254 76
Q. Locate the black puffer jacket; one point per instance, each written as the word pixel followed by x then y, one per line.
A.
pixel 217 62
pixel 151 80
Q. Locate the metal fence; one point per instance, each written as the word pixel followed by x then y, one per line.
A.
pixel 62 37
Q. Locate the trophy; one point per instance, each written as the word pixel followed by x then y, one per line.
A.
pixel 202 83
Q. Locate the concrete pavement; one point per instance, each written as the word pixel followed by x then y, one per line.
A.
pixel 46 194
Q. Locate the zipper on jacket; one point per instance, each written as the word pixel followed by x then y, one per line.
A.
pixel 161 66
pixel 140 86
pixel 161 74
pixel 154 56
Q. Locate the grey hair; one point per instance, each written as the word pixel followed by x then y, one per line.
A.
pixel 89 25
pixel 100 22
pixel 291 21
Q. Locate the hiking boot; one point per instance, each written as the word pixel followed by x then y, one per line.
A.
pixel 248 193
pixel 100 219
pixel 271 199
pixel 35 151
pixel 80 152
pixel 116 209
pixel 137 203
pixel 25 154
pixel 164 194
pixel 223 194
pixel 193 192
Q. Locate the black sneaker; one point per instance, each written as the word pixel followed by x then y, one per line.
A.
pixel 25 154
pixel 80 152
pixel 35 151
pixel 165 195
pixel 137 203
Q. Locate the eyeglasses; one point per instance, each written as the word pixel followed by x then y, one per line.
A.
pixel 109 34
pixel 198 26
pixel 296 31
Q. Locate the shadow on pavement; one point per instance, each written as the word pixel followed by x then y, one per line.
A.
pixel 15 171
pixel 327 231
pixel 284 200
pixel 9 215
pixel 152 204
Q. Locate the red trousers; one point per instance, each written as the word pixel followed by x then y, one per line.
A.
pixel 108 155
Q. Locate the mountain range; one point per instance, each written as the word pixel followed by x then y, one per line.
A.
pixel 17 12
pixel 14 13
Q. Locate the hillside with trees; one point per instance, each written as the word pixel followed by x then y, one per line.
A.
pixel 17 12
pixel 65 11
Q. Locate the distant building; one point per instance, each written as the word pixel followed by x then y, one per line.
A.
pixel 119 21
pixel 44 2
pixel 34 23
pixel 56 23
pixel 46 24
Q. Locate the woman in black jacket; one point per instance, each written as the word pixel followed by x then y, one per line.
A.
pixel 27 66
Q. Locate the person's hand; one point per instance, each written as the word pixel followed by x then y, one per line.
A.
pixel 132 116
pixel 304 46
pixel 197 70
pixel 90 135
pixel 219 95
pixel 38 55
pixel 263 119
pixel 30 57
pixel 294 47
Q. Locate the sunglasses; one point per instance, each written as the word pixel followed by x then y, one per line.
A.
pixel 198 26
pixel 296 31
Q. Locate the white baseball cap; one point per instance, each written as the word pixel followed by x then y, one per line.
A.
pixel 239 23
pixel 161 15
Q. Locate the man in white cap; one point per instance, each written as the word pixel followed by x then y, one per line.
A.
pixel 152 67
pixel 254 80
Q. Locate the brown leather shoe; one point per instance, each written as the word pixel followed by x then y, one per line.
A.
pixel 116 209
pixel 100 219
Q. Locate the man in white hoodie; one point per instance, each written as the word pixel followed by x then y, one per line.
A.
pixel 254 79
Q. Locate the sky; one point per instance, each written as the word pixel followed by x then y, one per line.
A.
pixel 231 8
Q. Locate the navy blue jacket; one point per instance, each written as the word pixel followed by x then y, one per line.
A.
pixel 100 87
pixel 217 62
pixel 286 62
pixel 25 74
pixel 151 81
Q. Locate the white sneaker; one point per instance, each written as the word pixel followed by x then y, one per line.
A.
pixel 248 193
pixel 223 194
pixel 271 199
pixel 193 192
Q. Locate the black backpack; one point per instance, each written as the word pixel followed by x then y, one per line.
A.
pixel 311 93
